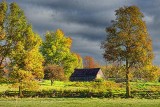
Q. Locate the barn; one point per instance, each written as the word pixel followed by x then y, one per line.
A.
pixel 87 74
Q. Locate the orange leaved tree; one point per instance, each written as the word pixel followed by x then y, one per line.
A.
pixel 128 41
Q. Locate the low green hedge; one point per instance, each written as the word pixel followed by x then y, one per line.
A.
pixel 83 94
pixel 146 94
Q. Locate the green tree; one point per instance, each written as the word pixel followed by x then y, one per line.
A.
pixel 56 49
pixel 20 45
pixel 128 41
pixel 54 72
pixel 70 62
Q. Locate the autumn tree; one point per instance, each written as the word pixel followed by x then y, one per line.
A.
pixel 25 45
pixel 3 46
pixel 89 62
pixel 24 80
pixel 128 41
pixel 54 72
pixel 114 71
pixel 147 73
pixel 56 50
pixel 79 60
pixel 20 45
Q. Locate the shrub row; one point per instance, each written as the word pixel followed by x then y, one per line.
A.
pixel 82 94
pixel 146 94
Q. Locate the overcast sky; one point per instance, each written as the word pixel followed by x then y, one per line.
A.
pixel 85 21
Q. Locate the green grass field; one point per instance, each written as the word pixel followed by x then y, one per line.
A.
pixel 45 85
pixel 77 102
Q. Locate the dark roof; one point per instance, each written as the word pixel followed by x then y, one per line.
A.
pixel 83 74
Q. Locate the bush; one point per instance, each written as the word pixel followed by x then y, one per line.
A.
pixel 85 93
pixel 54 72
pixel 99 80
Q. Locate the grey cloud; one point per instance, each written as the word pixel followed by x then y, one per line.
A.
pixel 85 20
pixel 88 48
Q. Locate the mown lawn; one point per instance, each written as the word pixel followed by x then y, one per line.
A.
pixel 77 102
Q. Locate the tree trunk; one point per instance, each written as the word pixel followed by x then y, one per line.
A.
pixel 20 91
pixel 52 82
pixel 1 61
pixel 128 91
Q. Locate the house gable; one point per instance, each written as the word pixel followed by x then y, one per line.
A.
pixel 100 74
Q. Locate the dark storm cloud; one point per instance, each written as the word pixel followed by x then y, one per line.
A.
pixel 85 20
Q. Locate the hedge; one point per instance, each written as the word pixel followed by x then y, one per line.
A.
pixel 82 94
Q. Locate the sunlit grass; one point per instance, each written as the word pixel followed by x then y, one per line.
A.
pixel 60 85
pixel 77 102
pixel 145 85
pixel 4 87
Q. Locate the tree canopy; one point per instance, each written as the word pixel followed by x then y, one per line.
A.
pixel 54 72
pixel 89 62
pixel 56 49
pixel 19 45
pixel 128 40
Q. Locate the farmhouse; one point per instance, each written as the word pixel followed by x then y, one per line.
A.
pixel 87 74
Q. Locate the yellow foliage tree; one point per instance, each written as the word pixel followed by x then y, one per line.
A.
pixel 20 45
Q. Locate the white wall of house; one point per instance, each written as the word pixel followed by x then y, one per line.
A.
pixel 100 75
